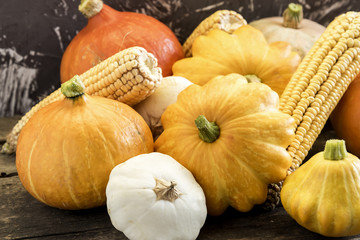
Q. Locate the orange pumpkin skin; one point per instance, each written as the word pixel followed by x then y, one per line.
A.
pixel 111 31
pixel 346 117
pixel 68 148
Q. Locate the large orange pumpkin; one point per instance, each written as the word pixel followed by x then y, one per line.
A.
pixel 108 31
pixel 67 150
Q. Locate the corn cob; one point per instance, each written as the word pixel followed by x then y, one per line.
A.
pixel 317 86
pixel 129 76
pixel 226 20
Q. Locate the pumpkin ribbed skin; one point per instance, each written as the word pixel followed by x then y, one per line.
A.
pixel 67 149
pixel 250 151
pixel 110 31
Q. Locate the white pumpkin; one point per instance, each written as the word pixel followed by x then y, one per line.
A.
pixel 152 196
pixel 292 28
pixel 153 106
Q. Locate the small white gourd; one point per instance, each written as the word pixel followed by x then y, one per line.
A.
pixel 152 196
pixel 153 106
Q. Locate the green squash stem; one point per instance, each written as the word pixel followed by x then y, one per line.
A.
pixel 208 131
pixel 292 16
pixel 73 88
pixel 90 8
pixel 335 150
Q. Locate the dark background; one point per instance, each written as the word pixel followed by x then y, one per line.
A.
pixel 34 35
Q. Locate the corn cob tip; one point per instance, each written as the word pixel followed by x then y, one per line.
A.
pixel 90 8
pixel 225 20
pixel 273 196
pixel 230 21
pixel 9 146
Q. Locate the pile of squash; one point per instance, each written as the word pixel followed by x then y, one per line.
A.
pixel 210 137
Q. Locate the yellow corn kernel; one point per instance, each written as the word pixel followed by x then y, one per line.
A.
pixel 109 79
pixel 318 85
pixel 225 20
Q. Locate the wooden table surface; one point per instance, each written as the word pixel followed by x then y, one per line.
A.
pixel 23 217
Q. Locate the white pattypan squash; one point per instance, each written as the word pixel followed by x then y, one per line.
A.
pixel 152 196
pixel 154 106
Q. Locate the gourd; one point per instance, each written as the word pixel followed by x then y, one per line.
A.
pixel 323 194
pixel 151 196
pixel 108 31
pixel 232 137
pixel 152 107
pixel 346 117
pixel 67 149
pixel 245 52
pixel 291 27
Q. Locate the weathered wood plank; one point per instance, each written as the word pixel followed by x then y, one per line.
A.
pixel 23 217
pixel 6 125
pixel 7 165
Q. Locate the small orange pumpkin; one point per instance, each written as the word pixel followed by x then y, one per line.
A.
pixel 108 31
pixel 67 150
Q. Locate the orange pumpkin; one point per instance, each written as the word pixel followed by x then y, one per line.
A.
pixel 109 31
pixel 346 117
pixel 67 150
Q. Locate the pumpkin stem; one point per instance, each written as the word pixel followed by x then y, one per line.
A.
pixel 293 15
pixel 90 8
pixel 208 131
pixel 73 88
pixel 335 149
pixel 252 78
pixel 165 190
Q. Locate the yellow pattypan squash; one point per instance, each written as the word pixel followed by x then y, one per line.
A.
pixel 323 194
pixel 246 52
pixel 232 137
